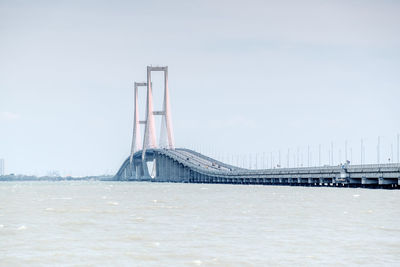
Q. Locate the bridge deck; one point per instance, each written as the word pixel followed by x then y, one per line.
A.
pixel 184 165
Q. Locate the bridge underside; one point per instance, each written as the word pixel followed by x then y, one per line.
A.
pixel 187 166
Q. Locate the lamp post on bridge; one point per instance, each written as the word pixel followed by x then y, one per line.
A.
pixel 319 155
pixel 398 148
pixel 351 155
pixel 378 150
pixel 361 152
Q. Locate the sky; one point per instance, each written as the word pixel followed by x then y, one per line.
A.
pixel 248 79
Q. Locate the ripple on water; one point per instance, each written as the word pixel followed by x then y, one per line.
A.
pixel 383 228
pixel 139 219
pixel 135 238
pixel 197 262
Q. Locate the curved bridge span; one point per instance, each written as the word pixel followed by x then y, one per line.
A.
pixel 187 166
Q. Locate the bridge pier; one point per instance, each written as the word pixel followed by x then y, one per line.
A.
pixel 176 176
pixel 369 181
pixel 388 181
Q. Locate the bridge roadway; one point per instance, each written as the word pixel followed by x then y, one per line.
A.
pixel 188 166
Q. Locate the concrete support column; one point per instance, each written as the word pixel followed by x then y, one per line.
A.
pixel 176 171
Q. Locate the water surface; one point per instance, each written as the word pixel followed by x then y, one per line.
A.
pixel 126 223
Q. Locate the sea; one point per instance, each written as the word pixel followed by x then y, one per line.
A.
pixel 98 223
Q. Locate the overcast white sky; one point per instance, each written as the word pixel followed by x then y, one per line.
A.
pixel 245 77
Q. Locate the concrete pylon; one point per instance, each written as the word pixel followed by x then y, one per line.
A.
pixel 167 113
pixel 166 131
pixel 136 138
pixel 150 130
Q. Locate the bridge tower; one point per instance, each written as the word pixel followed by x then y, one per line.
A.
pixel 166 132
pixel 136 138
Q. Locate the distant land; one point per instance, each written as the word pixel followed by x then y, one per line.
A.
pixel 20 177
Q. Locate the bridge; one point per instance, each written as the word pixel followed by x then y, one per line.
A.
pixel 165 163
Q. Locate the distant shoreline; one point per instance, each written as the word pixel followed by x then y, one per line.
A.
pixel 18 178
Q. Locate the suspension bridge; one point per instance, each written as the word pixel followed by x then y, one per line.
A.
pixel 162 162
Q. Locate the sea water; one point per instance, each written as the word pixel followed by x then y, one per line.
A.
pixel 165 224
